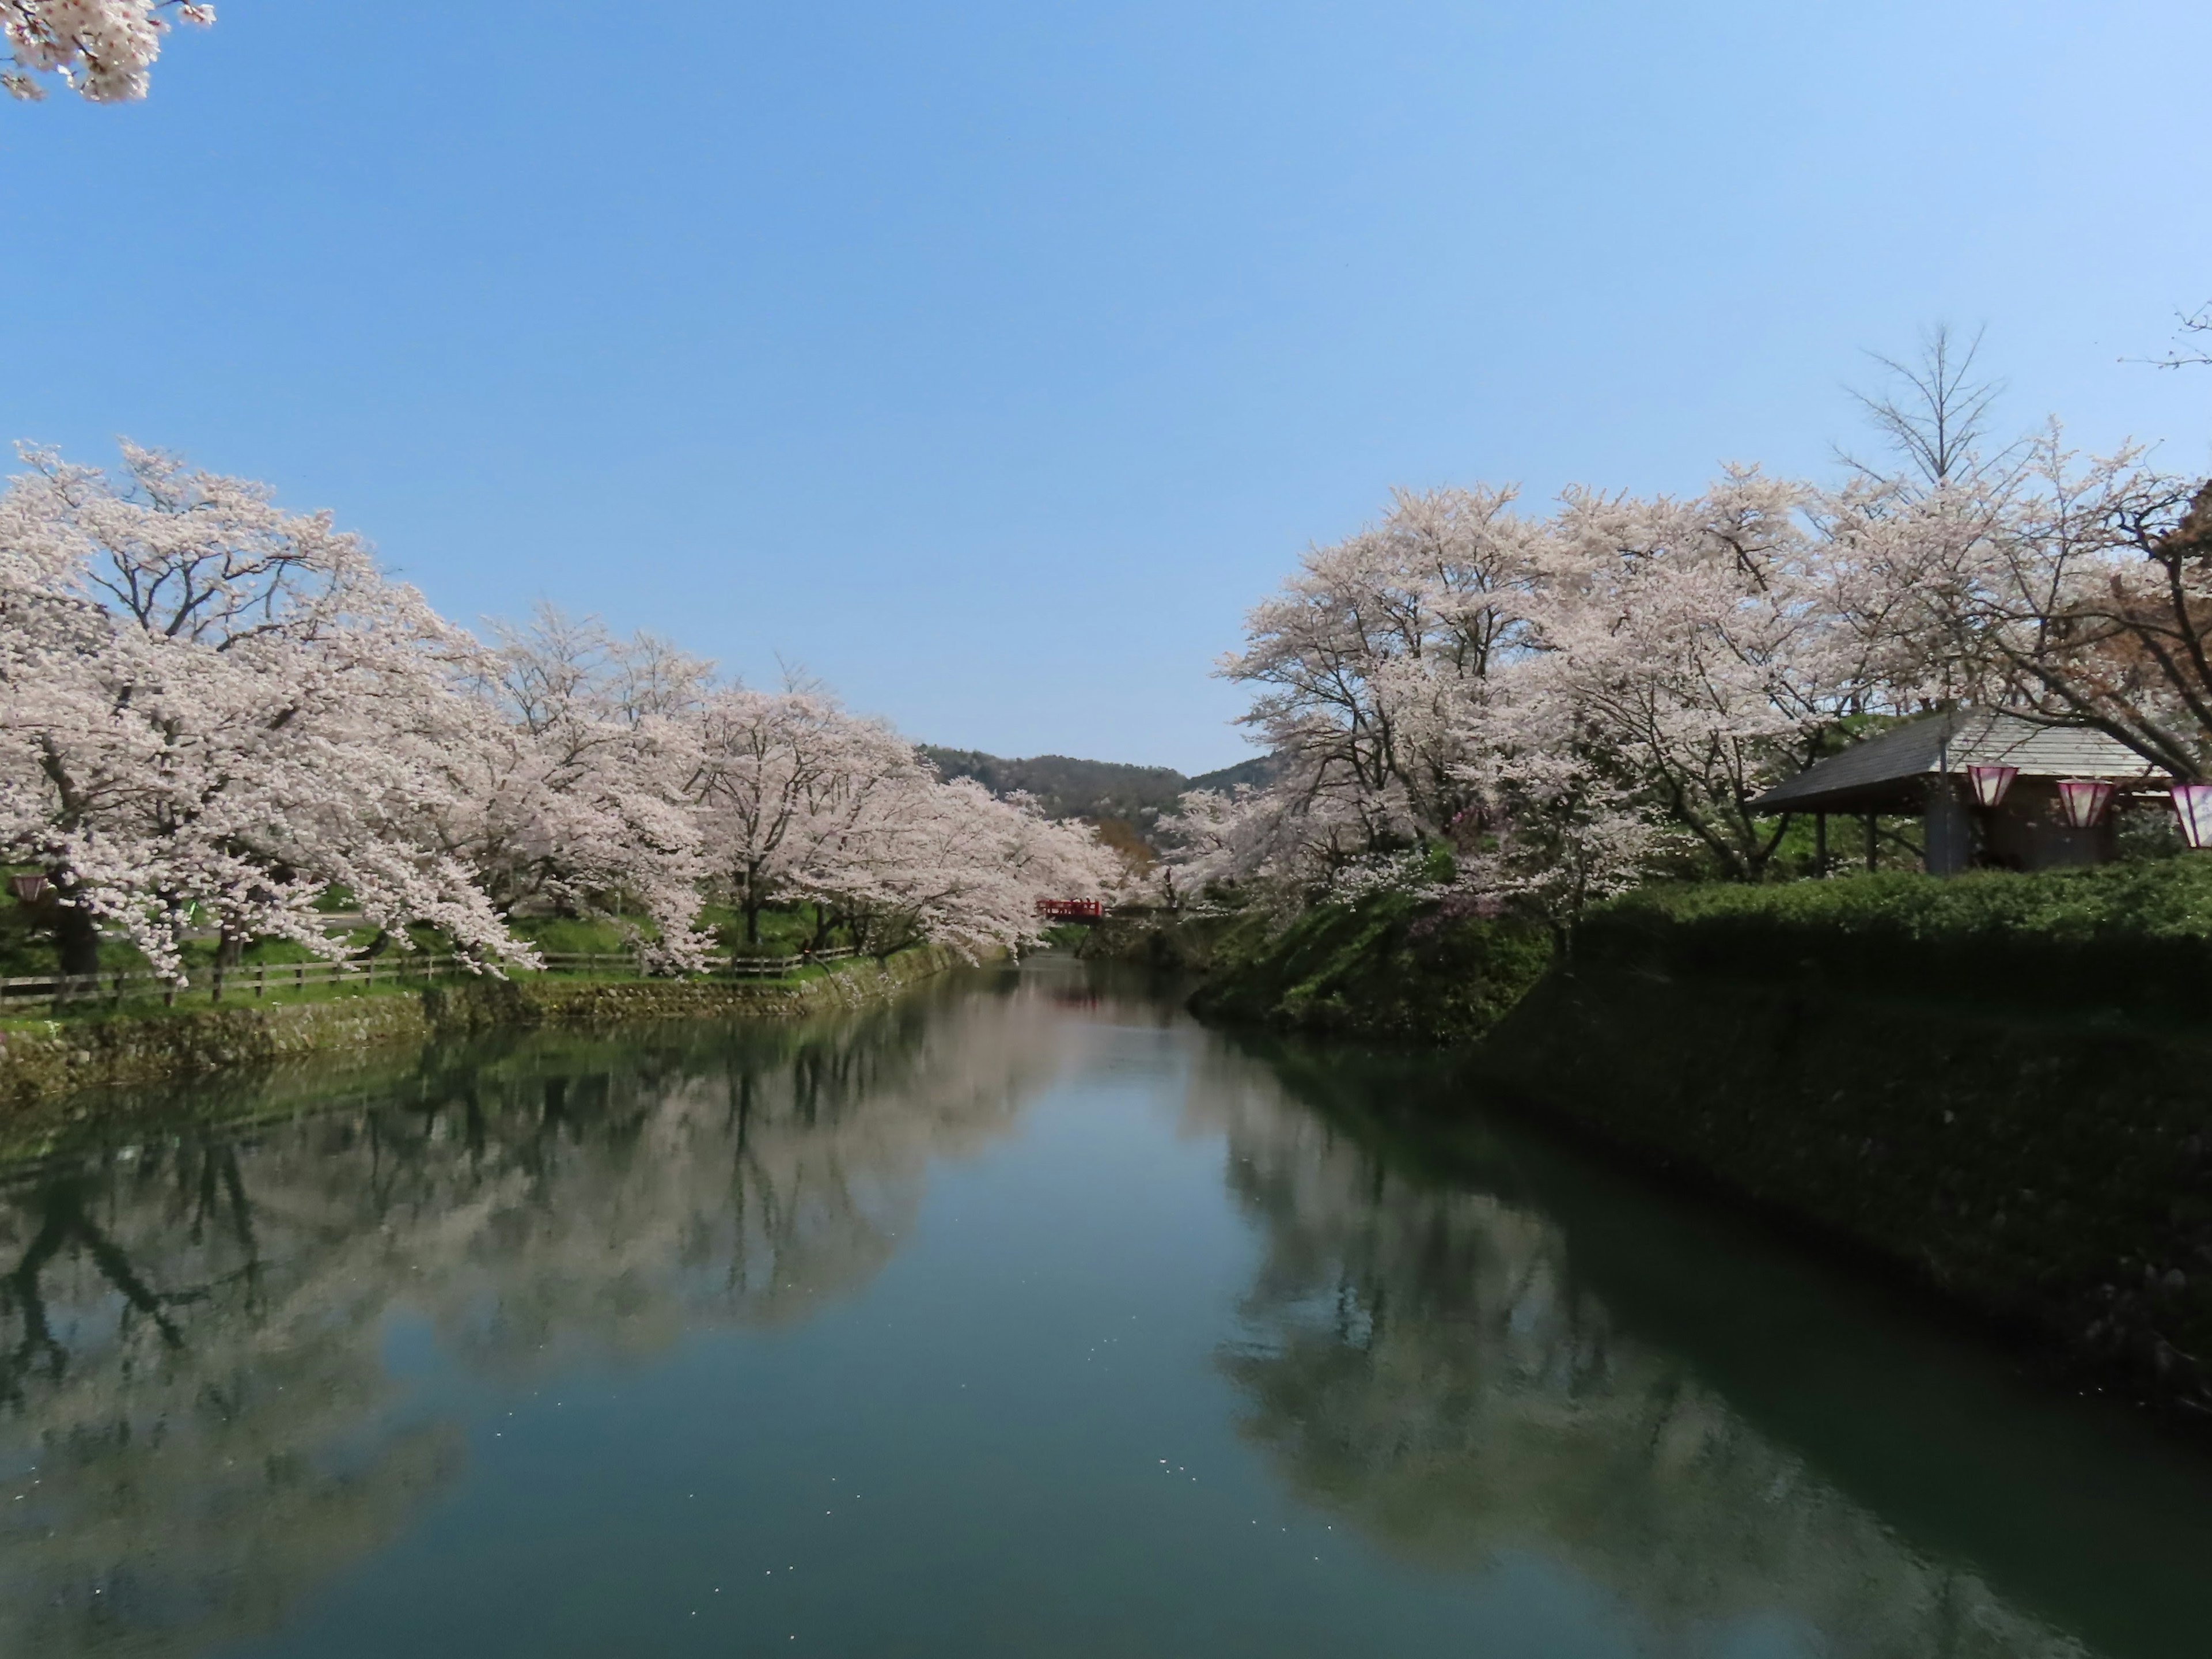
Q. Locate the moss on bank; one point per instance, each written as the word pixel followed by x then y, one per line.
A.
pixel 2053 1174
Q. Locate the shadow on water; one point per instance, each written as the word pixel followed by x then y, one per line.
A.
pixel 1467 1341
pixel 1471 1337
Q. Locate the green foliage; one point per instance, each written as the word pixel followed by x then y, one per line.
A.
pixel 1391 967
pixel 27 947
pixel 2135 935
pixel 785 930
pixel 596 934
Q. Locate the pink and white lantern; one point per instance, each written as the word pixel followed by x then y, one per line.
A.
pixel 2082 800
pixel 2192 807
pixel 33 888
pixel 1990 783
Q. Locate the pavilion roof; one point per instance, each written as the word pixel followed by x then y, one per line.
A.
pixel 1881 773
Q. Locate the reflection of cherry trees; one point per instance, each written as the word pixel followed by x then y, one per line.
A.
pixel 194 1402
pixel 1417 1357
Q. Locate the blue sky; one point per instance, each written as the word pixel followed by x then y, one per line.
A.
pixel 990 359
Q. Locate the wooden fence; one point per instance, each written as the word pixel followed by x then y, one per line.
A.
pixel 251 980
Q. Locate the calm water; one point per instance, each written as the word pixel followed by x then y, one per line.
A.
pixel 1024 1318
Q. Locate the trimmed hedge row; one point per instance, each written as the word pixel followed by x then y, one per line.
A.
pixel 2134 937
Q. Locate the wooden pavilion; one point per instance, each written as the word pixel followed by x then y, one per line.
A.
pixel 1919 769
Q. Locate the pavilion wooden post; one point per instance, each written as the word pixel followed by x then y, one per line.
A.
pixel 1870 841
pixel 1820 843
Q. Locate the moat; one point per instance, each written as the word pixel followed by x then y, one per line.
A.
pixel 1024 1316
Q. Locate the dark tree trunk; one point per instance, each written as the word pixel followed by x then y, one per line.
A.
pixel 77 937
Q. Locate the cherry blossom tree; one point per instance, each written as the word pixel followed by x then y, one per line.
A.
pixel 783 782
pixel 1558 818
pixel 571 799
pixel 101 49
pixel 211 710
pixel 1543 695
pixel 950 862
pixel 1700 648
pixel 1360 666
pixel 2026 576
pixel 2071 588
pixel 799 800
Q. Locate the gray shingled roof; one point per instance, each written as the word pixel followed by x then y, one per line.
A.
pixel 1883 765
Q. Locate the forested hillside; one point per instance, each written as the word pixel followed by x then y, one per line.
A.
pixel 1068 787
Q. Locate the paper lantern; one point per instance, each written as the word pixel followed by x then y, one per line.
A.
pixel 1989 782
pixel 2082 800
pixel 2192 805
pixel 31 888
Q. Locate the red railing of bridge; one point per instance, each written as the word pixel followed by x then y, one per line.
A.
pixel 1071 910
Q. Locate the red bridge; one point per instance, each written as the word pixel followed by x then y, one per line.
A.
pixel 1071 910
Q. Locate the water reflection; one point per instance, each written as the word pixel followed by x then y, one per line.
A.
pixel 199 1418
pixel 1422 1359
pixel 1481 1358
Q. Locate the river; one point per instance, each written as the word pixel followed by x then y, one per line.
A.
pixel 1025 1316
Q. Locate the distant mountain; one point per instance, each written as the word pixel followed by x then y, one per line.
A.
pixel 1070 788
pixel 1258 772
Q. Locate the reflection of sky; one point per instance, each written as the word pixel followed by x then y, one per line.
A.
pixel 1139 1357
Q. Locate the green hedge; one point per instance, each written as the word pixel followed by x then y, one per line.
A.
pixel 2133 937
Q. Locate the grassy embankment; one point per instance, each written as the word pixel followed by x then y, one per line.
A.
pixel 1998 1084
pixel 1389 969
pixel 49 1053
pixel 25 949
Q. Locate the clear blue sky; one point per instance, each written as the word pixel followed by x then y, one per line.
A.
pixel 990 359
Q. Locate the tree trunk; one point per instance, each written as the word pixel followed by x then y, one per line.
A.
pixel 229 951
pixel 77 937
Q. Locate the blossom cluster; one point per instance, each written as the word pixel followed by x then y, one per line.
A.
pixel 101 49
pixel 214 712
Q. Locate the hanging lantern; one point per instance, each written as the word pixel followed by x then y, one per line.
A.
pixel 2192 805
pixel 32 888
pixel 2082 800
pixel 1990 783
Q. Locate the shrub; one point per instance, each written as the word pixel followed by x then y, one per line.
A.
pixel 2134 936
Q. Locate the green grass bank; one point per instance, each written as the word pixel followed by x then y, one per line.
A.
pixel 44 1062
